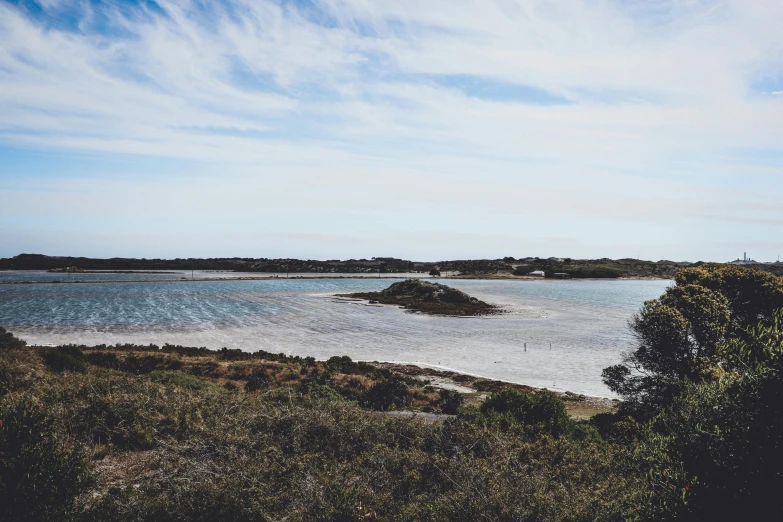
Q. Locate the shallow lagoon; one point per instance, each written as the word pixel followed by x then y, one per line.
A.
pixel 584 320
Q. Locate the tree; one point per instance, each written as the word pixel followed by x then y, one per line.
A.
pixel 435 272
pixel 728 432
pixel 680 335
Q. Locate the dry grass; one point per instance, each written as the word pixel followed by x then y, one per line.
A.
pixel 166 439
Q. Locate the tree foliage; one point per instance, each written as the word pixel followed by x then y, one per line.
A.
pixel 728 432
pixel 704 395
pixel 681 335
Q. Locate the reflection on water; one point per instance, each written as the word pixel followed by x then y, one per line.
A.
pixel 584 321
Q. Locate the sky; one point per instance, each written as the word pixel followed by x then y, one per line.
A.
pixel 419 129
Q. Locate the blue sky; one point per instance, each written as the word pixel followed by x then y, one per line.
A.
pixel 360 128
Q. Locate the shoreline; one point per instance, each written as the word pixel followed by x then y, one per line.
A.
pixel 475 388
pixel 488 277
pixel 578 405
pixel 476 382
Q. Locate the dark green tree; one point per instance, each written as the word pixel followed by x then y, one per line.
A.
pixel 680 335
pixel 728 432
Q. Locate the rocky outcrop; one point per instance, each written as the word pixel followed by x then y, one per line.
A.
pixel 429 298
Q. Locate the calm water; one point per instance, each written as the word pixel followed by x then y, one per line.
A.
pixel 585 322
pixel 9 276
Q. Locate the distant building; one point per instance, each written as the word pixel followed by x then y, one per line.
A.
pixel 537 273
pixel 744 261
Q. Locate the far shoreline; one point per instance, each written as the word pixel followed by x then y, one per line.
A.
pixel 486 277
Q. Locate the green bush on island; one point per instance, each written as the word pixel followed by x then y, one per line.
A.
pixel 429 298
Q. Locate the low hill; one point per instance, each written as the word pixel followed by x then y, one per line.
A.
pixel 508 267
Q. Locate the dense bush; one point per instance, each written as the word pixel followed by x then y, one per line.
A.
pixel 450 401
pixel 681 334
pixel 40 476
pixel 539 412
pixel 257 381
pixel 104 359
pixel 64 358
pixel 387 395
pixel 704 394
pixel 173 446
pixel 8 341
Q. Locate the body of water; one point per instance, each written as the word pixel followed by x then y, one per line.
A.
pixel 44 276
pixel 584 321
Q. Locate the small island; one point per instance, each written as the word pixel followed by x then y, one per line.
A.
pixel 428 298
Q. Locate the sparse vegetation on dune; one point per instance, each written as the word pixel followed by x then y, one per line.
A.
pixel 176 433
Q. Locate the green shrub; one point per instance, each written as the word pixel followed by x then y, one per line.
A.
pixel 320 391
pixel 179 379
pixel 143 364
pixel 8 341
pixel 539 412
pixel 40 477
pixel 342 364
pixel 389 394
pixel 257 381
pixel 450 401
pixel 64 358
pixel 104 359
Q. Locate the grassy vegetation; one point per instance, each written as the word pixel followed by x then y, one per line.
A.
pixel 176 433
pixel 428 298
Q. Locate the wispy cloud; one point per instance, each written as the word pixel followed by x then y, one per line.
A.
pixel 521 91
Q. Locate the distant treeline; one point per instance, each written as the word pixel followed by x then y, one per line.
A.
pixel 600 268
pixel 505 267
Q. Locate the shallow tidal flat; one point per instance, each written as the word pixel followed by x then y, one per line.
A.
pixel 585 322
